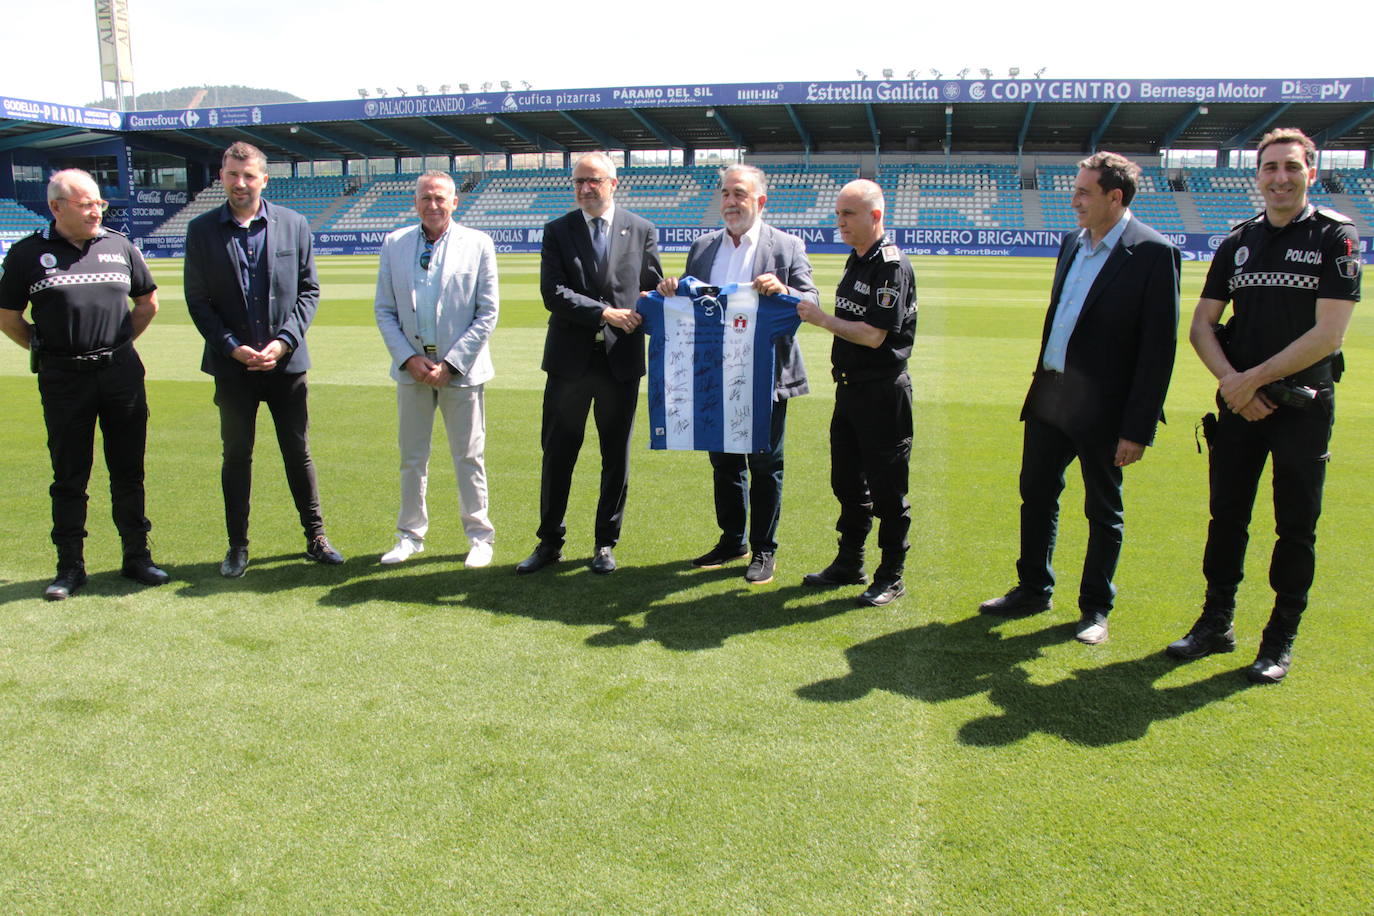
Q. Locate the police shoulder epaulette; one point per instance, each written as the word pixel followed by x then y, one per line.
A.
pixel 891 253
pixel 1334 216
pixel 111 231
pixel 1248 220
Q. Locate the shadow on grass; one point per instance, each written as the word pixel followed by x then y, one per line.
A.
pixel 571 594
pixel 1099 706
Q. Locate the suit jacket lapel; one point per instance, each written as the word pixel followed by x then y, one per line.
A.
pixel 763 252
pixel 582 240
pixel 231 252
pixel 1115 261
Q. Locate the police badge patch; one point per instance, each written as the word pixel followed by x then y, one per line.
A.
pixel 1348 267
pixel 1242 255
pixel 887 296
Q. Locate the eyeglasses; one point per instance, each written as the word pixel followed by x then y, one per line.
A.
pixel 103 205
pixel 595 182
pixel 427 255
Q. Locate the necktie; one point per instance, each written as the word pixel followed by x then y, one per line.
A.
pixel 599 243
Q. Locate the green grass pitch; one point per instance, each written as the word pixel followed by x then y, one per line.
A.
pixel 425 738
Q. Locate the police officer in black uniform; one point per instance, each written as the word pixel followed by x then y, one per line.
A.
pixel 78 276
pixel 870 431
pixel 1292 276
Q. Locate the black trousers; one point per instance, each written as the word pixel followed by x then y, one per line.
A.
pixel 567 401
pixel 73 401
pixel 238 397
pixel 748 488
pixel 870 456
pixel 1046 454
pixel 1297 439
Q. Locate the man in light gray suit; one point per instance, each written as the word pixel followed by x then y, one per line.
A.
pixel 436 306
pixel 749 251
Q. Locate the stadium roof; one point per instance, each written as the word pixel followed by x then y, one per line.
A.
pixel 963 116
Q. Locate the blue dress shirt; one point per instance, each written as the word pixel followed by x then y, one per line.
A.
pixel 1087 264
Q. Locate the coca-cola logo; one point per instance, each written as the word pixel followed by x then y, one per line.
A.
pixel 174 197
pixel 149 197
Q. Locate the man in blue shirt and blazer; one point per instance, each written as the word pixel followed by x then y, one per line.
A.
pixel 1097 394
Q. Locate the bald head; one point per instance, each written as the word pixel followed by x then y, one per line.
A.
pixel 859 214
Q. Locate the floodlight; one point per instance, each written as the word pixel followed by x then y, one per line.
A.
pixel 463 87
pixel 490 120
pixel 1041 72
pixel 401 90
pixel 862 75
pixel 444 88
pixel 935 73
pixel 1014 72
pixel 420 88
pixel 381 92
pixel 505 84
pixel 911 74
pixel 527 84
pixel 987 74
pixel 362 93
pixel 486 87
pixel 710 112
pixel 963 73
pixel 887 73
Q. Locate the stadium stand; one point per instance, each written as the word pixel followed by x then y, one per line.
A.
pixel 966 195
pixel 17 220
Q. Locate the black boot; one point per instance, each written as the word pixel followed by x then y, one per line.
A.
pixel 887 581
pixel 1212 633
pixel 847 569
pixel 1275 655
pixel 71 572
pixel 138 562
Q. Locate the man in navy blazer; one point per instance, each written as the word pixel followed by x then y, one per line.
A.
pixel 594 264
pixel 747 250
pixel 1097 393
pixel 251 289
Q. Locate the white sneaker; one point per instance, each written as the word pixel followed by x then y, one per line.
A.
pixel 406 547
pixel 479 556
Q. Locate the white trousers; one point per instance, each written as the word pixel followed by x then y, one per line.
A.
pixel 465 421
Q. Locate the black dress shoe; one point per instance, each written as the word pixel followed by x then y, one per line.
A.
pixel 834 575
pixel 141 569
pixel 883 591
pixel 604 561
pixel 1202 640
pixel 321 551
pixel 1019 602
pixel 65 585
pixel 544 555
pixel 235 562
pixel 718 556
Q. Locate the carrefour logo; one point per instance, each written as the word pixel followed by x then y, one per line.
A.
pixel 190 119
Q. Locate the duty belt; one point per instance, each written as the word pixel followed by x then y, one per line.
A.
pixel 83 362
pixel 855 376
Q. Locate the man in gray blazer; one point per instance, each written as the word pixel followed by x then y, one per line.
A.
pixel 436 306
pixel 748 250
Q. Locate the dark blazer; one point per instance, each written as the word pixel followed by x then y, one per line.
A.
pixel 1121 353
pixel 575 294
pixel 215 297
pixel 783 255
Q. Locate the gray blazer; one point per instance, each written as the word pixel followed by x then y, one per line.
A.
pixel 783 255
pixel 467 307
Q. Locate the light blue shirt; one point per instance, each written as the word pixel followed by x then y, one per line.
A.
pixel 1087 264
pixel 428 285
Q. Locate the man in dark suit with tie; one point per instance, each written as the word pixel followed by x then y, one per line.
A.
pixel 1106 355
pixel 252 293
pixel 594 264
pixel 750 252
